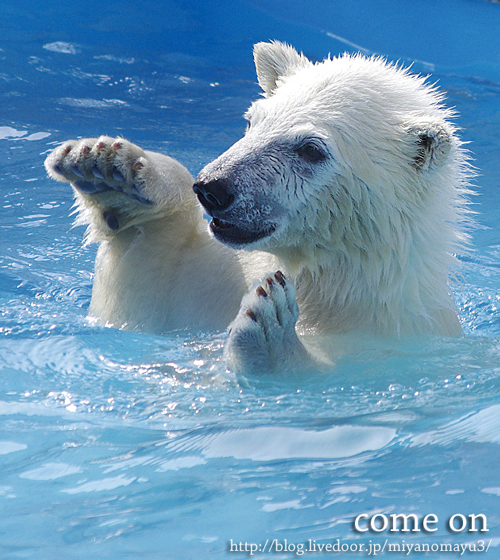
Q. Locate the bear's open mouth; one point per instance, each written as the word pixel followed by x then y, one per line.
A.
pixel 226 232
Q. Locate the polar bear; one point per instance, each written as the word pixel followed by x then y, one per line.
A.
pixel 339 211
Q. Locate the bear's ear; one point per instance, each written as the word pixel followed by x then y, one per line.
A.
pixel 430 144
pixel 274 60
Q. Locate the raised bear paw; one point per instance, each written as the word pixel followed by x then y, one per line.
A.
pixel 117 184
pixel 96 165
pixel 262 338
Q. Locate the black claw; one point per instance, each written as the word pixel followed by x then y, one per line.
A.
pixel 261 292
pixel 252 315
pixel 280 278
pixel 111 220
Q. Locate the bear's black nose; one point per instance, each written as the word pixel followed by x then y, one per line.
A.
pixel 213 195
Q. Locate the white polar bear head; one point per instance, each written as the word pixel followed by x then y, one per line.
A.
pixel 350 162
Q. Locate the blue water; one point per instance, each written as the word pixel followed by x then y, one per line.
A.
pixel 123 446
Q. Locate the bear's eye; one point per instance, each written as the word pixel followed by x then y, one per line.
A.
pixel 311 152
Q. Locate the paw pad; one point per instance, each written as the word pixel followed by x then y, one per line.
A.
pixel 111 220
pixel 77 171
pixel 118 175
pixel 97 173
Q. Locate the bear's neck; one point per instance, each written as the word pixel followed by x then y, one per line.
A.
pixel 374 293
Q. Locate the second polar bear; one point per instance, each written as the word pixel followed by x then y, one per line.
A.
pixel 350 180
